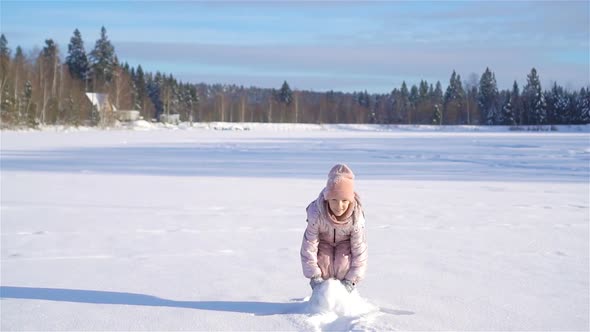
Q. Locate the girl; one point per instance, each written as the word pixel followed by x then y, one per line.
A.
pixel 334 244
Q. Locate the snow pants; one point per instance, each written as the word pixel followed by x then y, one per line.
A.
pixel 334 261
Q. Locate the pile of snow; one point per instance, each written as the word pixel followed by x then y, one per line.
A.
pixel 332 308
pixel 332 297
pixel 141 125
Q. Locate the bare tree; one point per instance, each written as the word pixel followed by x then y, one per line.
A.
pixel 242 105
pixel 296 100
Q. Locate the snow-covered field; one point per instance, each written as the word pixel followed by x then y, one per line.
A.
pixel 199 229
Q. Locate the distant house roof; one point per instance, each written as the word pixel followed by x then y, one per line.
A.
pixel 100 100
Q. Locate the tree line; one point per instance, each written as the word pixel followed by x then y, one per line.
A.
pixel 39 89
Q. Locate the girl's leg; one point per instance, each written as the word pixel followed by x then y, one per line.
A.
pixel 326 259
pixel 342 254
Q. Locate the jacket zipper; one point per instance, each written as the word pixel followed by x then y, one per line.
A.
pixel 334 255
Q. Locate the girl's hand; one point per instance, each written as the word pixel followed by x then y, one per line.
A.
pixel 349 285
pixel 315 281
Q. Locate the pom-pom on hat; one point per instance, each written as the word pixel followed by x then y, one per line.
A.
pixel 340 183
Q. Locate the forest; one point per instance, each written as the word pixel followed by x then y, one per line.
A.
pixel 43 87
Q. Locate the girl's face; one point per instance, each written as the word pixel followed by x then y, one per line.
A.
pixel 338 207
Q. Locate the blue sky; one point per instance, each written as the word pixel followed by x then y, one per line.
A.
pixel 344 46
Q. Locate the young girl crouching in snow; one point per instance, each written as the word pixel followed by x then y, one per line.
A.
pixel 334 244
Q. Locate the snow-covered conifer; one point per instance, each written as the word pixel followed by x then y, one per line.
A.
pixel 487 98
pixel 103 60
pixel 76 59
pixel 535 106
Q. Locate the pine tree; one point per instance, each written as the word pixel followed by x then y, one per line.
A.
pixel 285 94
pixel 154 92
pixel 4 74
pixel 423 90
pixel 516 103
pixel 414 95
pixel 412 103
pixel 285 97
pixel 535 106
pixel 583 107
pixel 133 89
pixel 77 60
pixel 437 115
pixel 19 63
pixel 453 100
pixel 423 106
pixel 4 50
pixel 30 108
pixel 363 100
pixel 438 94
pixel 4 57
pixel 103 61
pixel 404 103
pixel 169 94
pixel 49 60
pixel 191 101
pixel 140 85
pixel 487 98
pixel 507 115
pixel 558 106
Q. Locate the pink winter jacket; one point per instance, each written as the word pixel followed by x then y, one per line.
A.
pixel 321 228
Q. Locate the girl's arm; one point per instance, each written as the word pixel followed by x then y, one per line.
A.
pixel 358 247
pixel 309 246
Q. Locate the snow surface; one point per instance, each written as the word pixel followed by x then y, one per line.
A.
pixel 199 228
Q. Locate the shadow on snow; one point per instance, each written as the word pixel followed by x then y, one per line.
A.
pixel 106 297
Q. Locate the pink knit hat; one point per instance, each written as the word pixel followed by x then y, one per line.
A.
pixel 340 183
